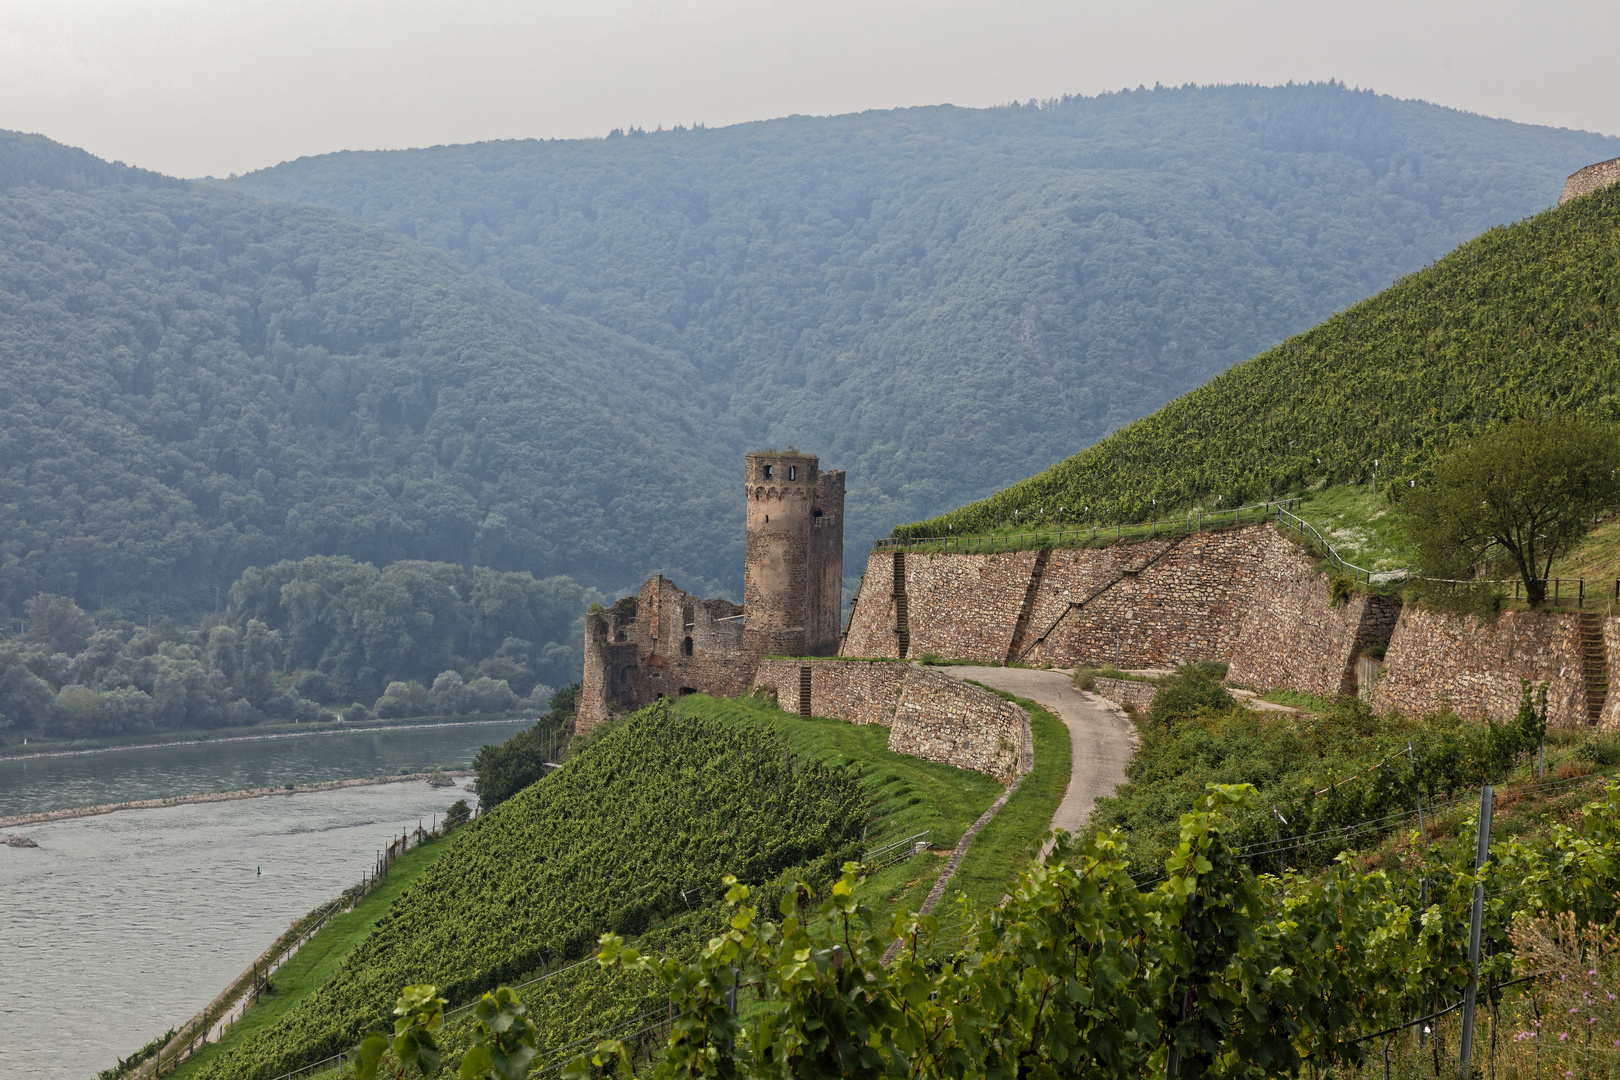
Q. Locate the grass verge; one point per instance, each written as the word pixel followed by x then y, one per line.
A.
pixel 1013 837
pixel 311 965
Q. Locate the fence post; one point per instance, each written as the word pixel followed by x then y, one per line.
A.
pixel 1417 792
pixel 1483 852
pixel 1423 1009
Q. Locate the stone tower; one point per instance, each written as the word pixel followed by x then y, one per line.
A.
pixel 793 571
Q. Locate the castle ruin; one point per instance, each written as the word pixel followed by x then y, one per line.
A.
pixel 666 642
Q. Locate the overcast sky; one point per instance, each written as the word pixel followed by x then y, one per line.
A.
pixel 195 87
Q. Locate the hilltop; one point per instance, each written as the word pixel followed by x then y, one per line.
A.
pixel 1517 322
pixel 941 300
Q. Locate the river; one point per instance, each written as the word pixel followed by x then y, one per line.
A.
pixel 122 925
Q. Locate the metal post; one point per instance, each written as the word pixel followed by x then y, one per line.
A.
pixel 1417 792
pixel 1481 854
pixel 1423 905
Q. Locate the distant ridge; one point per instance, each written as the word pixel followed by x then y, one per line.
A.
pixel 34 159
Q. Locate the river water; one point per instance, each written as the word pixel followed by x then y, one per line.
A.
pixel 51 783
pixel 122 925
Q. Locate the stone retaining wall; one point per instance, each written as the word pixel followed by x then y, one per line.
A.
pixel 930 716
pixel 1437 661
pixel 1126 692
pixel 1249 597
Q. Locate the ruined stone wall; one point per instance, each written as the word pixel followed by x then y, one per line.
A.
pixel 931 716
pixel 1437 660
pixel 664 642
pixel 1587 180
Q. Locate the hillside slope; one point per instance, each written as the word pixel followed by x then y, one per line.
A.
pixel 1518 322
pixel 194 382
pixel 637 828
pixel 942 300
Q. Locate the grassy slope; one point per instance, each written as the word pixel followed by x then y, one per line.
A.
pixel 1518 321
pixel 320 957
pixel 1005 845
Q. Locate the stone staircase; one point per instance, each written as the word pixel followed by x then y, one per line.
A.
pixel 1594 666
pixel 804 691
pixel 902 622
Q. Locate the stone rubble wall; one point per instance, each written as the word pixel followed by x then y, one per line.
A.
pixel 942 719
pixel 1440 661
pixel 1292 637
pixel 1587 180
pixel 930 716
pixel 1126 692
pixel 1610 719
pixel 863 692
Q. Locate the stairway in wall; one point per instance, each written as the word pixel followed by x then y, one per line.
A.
pixel 1027 608
pixel 1594 666
pixel 804 691
pixel 902 624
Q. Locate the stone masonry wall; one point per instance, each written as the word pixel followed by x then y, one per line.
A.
pixel 961 606
pixel 942 719
pixel 1437 660
pixel 1126 692
pixel 1611 658
pixel 1587 180
pixel 862 693
pixel 1293 638
pixel 930 716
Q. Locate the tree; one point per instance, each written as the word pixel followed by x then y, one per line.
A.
pixel 56 622
pixel 1525 492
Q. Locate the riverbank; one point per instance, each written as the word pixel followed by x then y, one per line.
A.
pixel 217 796
pixel 304 731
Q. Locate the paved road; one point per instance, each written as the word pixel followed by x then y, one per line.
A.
pixel 1101 738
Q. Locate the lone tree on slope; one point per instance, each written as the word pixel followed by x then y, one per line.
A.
pixel 1532 488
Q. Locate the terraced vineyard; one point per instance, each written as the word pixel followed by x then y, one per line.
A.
pixel 631 835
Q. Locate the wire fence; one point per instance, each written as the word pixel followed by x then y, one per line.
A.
pixel 1077 536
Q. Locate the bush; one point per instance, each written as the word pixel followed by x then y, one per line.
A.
pixel 1194 690
pixel 457 815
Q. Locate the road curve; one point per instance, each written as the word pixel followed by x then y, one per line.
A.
pixel 1101 738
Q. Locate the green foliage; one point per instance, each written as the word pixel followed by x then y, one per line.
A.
pixel 1211 971
pixel 419 1013
pixel 197 382
pixel 933 298
pixel 127 1065
pixel 1319 770
pixel 1521 495
pixel 458 814
pixel 651 808
pixel 1519 322
pixel 1194 690
pixel 507 769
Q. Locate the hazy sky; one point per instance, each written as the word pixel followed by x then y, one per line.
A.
pixel 195 87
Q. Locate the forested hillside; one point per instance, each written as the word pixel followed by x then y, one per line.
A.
pixel 945 300
pixel 193 382
pixel 1519 322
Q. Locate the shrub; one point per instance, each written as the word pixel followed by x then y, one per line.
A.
pixel 1192 691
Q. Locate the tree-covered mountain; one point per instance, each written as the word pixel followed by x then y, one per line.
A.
pixel 944 300
pixel 193 382
pixel 1521 322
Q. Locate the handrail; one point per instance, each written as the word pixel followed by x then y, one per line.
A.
pixel 1358 573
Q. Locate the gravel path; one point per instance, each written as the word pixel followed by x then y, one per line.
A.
pixel 1101 738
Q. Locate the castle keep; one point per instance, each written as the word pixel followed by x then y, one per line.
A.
pixel 664 641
